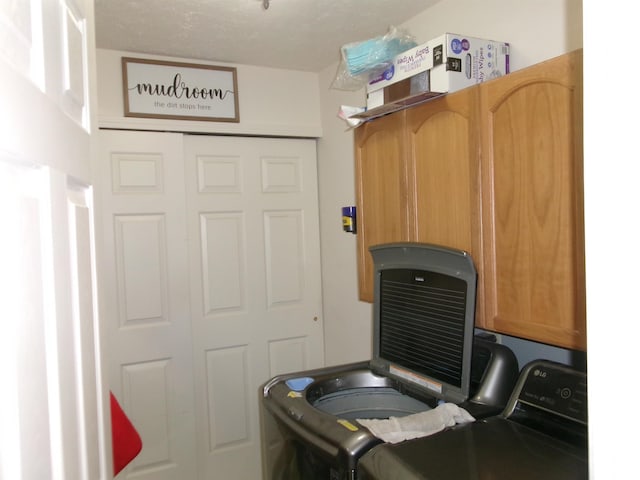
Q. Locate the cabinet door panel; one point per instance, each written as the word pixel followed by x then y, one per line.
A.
pixel 444 145
pixel 533 213
pixel 381 189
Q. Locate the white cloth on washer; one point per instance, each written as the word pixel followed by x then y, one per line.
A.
pixel 398 429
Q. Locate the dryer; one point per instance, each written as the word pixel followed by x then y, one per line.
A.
pixel 542 434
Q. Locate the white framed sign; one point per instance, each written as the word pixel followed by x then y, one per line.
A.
pixel 179 91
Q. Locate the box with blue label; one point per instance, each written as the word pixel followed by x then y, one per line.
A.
pixel 445 64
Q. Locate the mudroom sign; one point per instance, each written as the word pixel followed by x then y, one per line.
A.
pixel 179 91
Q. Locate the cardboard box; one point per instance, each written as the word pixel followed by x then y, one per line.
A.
pixel 407 87
pixel 453 62
pixel 375 98
pixel 395 105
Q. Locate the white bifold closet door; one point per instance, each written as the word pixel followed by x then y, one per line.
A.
pixel 212 286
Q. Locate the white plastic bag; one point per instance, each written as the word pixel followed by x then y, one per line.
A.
pixel 361 60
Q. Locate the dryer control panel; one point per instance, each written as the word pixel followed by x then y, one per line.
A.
pixel 553 388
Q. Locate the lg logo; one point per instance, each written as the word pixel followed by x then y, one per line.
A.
pixel 539 373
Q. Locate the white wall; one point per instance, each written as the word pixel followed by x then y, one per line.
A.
pixel 347 321
pixel 612 176
pixel 271 101
pixel 536 29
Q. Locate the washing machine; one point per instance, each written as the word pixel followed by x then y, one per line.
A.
pixel 425 353
pixel 541 434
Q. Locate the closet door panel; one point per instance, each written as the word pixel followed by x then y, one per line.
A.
pixel 145 300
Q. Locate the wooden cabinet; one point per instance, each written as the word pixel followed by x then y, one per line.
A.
pixel 444 171
pixel 532 199
pixel 417 180
pixel 381 191
pixel 495 170
pixel 444 174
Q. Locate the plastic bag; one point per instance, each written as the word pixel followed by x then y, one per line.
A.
pixel 361 60
pixel 346 112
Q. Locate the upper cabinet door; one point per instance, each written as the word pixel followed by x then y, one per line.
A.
pixel 443 143
pixel 533 226
pixel 381 191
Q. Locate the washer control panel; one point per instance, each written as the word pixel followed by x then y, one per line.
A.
pixel 555 388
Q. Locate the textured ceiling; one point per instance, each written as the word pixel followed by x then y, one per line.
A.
pixel 292 34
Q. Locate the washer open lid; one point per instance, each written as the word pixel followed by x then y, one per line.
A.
pixel 424 311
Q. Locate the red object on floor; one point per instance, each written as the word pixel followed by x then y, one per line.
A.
pixel 126 440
